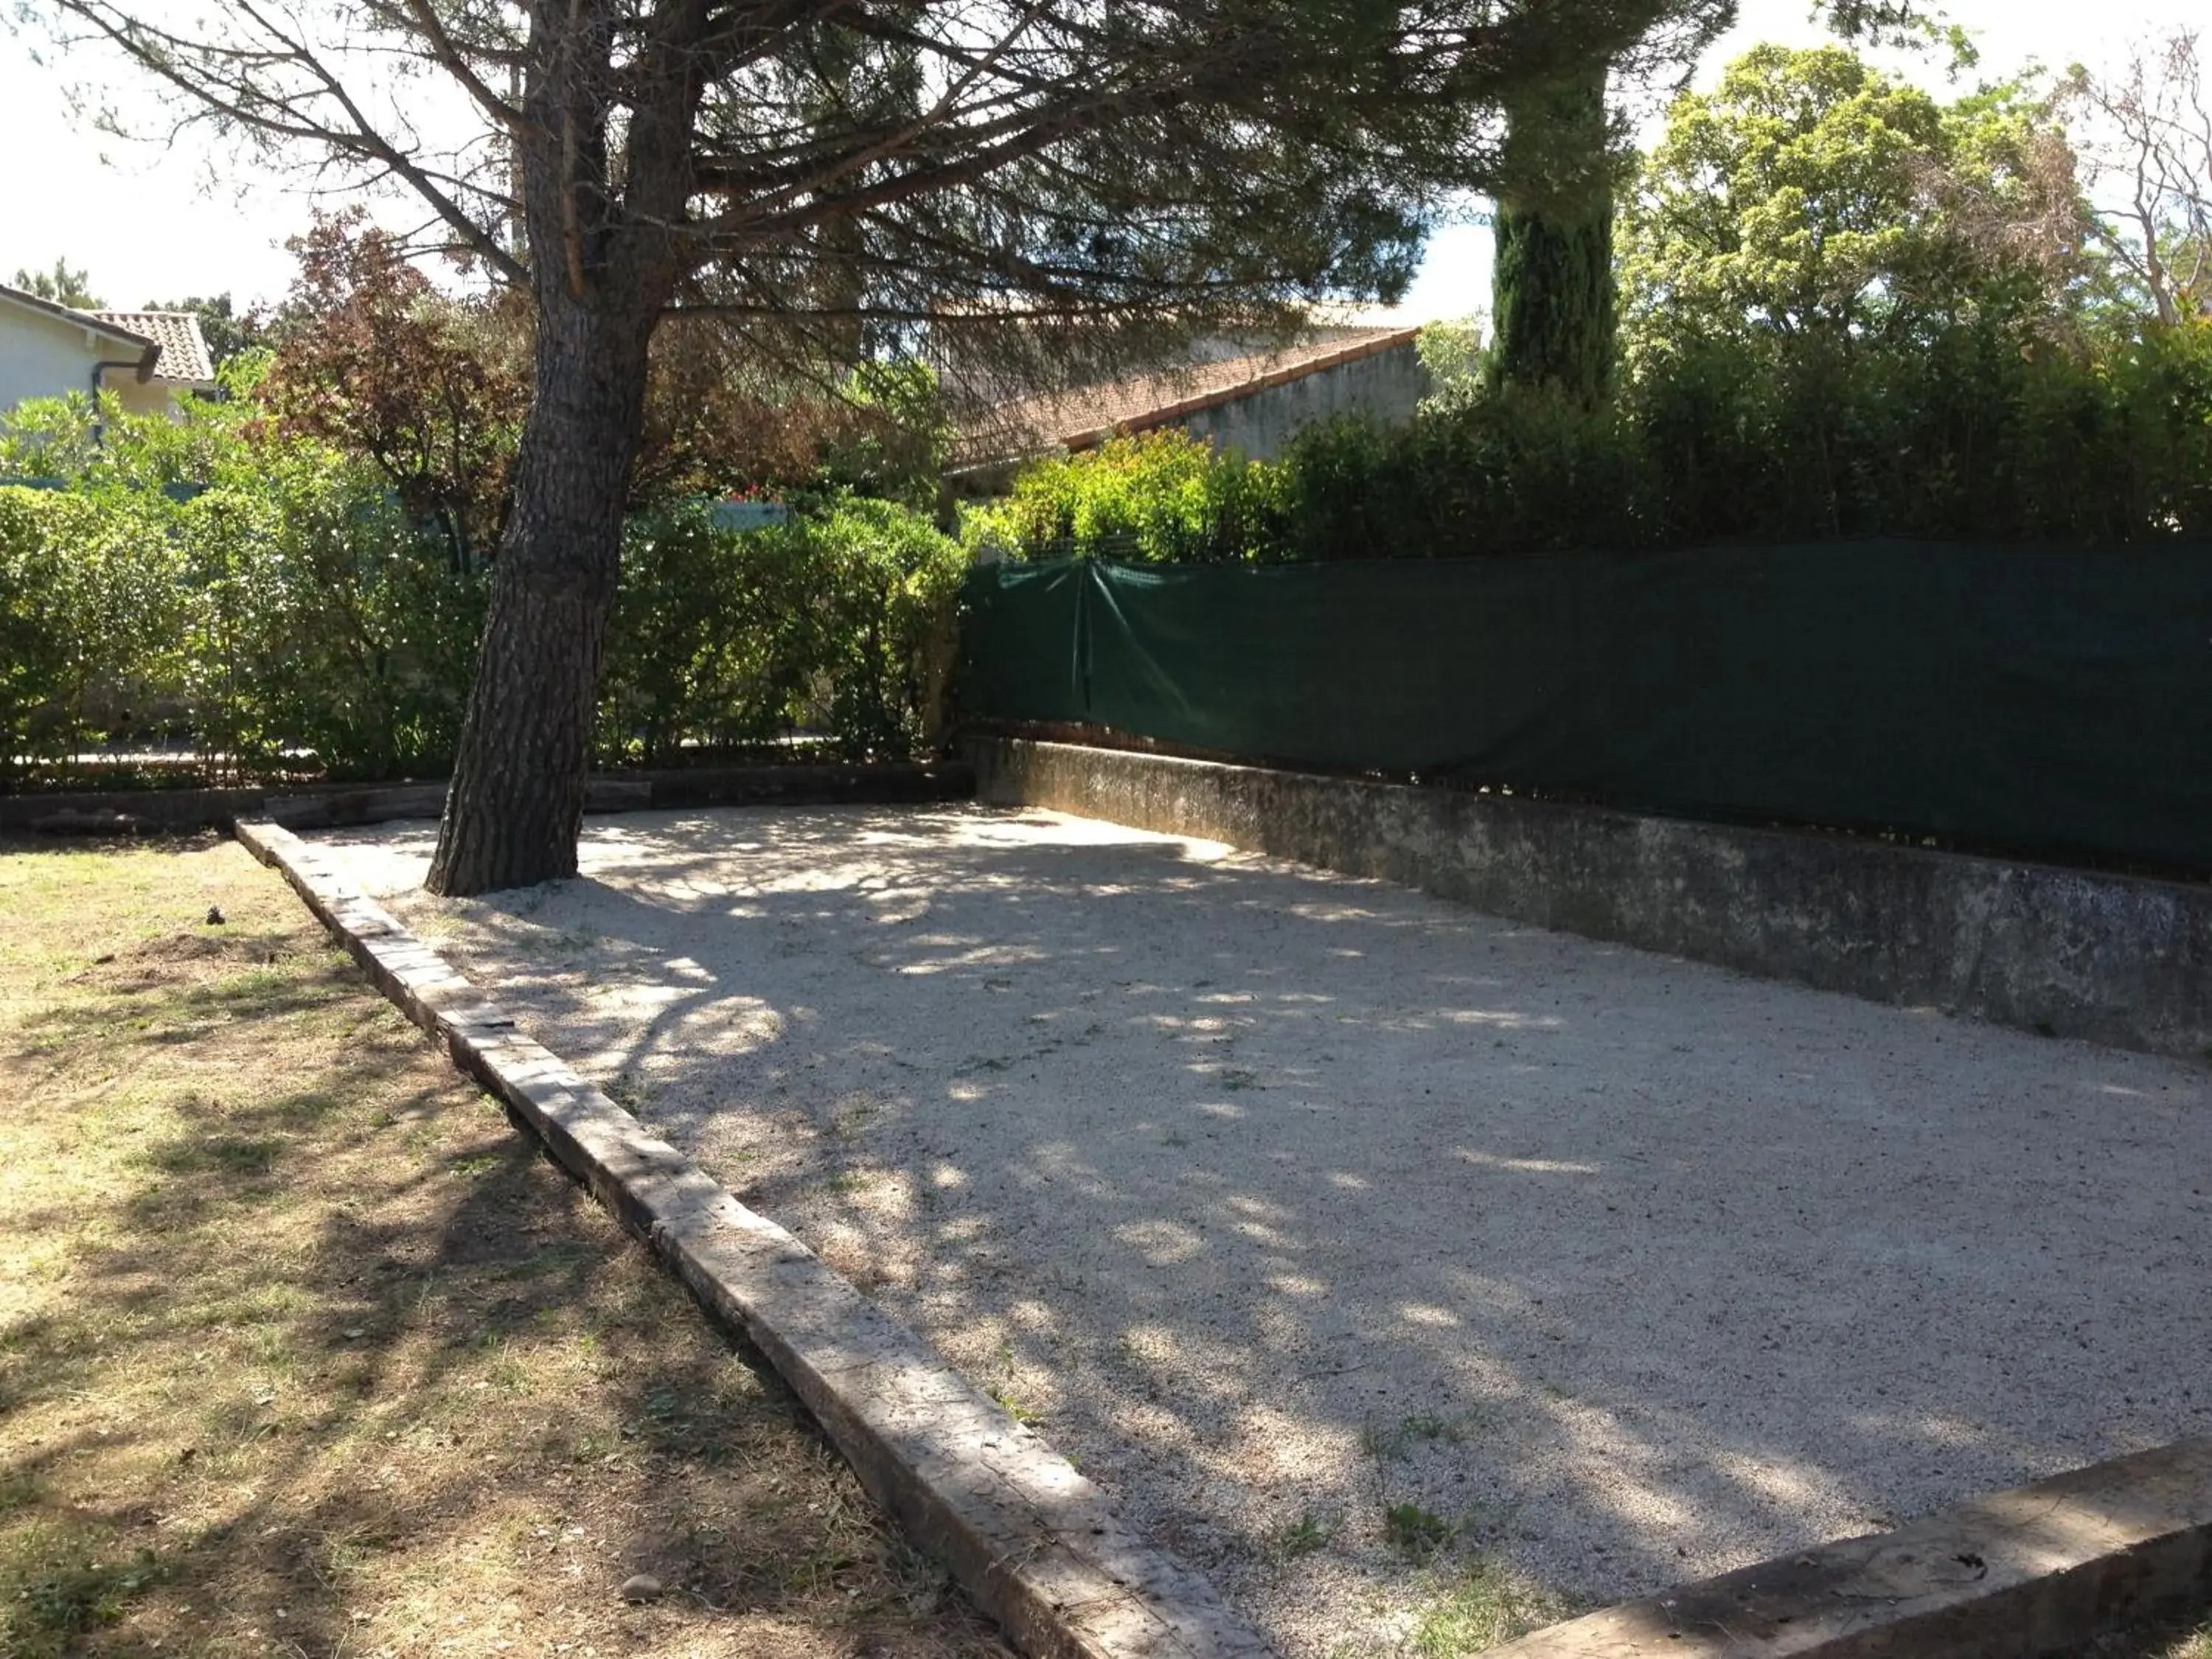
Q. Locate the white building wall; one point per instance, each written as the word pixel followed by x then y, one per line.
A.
pixel 43 356
pixel 154 398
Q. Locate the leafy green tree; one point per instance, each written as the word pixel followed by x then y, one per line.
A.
pixel 1555 297
pixel 1811 199
pixel 62 285
pixel 1843 293
pixel 1451 353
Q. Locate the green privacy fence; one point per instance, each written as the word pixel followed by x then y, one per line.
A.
pixel 2046 699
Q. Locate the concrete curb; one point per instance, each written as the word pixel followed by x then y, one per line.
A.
pixel 1035 1543
pixel 2034 1570
pixel 320 807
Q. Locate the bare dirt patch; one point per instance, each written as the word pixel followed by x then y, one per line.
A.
pixel 305 1351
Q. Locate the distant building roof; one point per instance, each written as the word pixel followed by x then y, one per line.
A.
pixel 148 350
pixel 183 352
pixel 168 343
pixel 1088 416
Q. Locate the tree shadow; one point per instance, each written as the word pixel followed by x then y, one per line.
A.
pixel 1286 1199
pixel 340 1359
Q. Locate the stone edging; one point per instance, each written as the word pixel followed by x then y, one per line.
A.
pixel 2034 1570
pixel 317 806
pixel 1035 1543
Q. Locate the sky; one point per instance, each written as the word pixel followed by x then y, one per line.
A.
pixel 154 223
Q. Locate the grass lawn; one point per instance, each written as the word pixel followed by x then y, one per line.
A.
pixel 304 1351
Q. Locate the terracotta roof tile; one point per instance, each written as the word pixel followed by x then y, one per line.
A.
pixel 183 350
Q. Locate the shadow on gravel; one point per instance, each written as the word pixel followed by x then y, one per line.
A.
pixel 1343 1231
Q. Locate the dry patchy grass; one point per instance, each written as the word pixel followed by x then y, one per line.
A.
pixel 303 1351
pixel 2189 1638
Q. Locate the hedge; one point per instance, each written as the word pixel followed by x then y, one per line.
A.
pixel 300 624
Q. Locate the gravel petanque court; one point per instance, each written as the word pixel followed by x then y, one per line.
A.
pixel 1289 1204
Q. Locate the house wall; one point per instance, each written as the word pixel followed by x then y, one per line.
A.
pixel 1388 385
pixel 156 396
pixel 43 356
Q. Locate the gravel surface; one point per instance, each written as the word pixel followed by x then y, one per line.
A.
pixel 1283 1198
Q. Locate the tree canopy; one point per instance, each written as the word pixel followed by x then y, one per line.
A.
pixel 63 285
pixel 1809 195
pixel 797 168
pixel 2150 144
pixel 1555 300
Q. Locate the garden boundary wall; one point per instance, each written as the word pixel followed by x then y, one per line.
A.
pixel 2054 702
pixel 2116 959
pixel 324 807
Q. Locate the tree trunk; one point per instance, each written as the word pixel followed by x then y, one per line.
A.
pixel 516 803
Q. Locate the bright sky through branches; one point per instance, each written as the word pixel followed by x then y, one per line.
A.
pixel 155 225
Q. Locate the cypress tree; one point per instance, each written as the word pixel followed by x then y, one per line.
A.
pixel 1554 306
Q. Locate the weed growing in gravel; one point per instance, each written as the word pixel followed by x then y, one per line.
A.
pixel 1310 1532
pixel 1028 1416
pixel 1381 1442
pixel 1003 1390
pixel 1415 1532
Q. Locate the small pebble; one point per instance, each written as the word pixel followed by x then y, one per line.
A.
pixel 640 1587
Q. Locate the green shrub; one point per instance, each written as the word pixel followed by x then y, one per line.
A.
pixel 841 619
pixel 318 616
pixel 89 606
pixel 284 601
pixel 1513 471
pixel 1157 498
pixel 1992 427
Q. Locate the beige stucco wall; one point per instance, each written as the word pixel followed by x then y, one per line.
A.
pixel 43 356
pixel 154 398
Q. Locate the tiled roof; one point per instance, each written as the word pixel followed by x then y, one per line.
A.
pixel 1089 415
pixel 95 321
pixel 184 349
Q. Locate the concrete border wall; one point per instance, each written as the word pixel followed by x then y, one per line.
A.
pixel 2071 953
pixel 323 806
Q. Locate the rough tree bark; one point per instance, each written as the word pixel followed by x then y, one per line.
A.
pixel 516 803
pixel 603 270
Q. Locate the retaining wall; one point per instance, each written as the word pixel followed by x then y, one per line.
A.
pixel 323 807
pixel 2072 953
